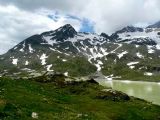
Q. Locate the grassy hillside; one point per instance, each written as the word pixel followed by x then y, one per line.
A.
pixel 46 98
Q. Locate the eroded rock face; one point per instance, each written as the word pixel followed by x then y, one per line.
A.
pixel 113 95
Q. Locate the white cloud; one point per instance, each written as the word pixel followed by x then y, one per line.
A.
pixel 16 25
pixel 108 15
pixel 20 19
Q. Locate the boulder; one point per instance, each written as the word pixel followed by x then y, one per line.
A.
pixel 113 95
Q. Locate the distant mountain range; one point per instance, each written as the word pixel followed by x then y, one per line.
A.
pixel 129 53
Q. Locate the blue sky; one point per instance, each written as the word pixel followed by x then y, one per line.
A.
pixel 86 25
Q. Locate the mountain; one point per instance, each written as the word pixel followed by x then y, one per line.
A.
pixel 130 29
pixel 129 53
pixel 136 35
pixel 155 25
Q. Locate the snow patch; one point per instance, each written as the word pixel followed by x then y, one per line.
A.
pixel 150 50
pixel 137 46
pixel 98 65
pixel 49 68
pixel 158 47
pixel 30 48
pixel 131 67
pixel 64 60
pixel 49 40
pixel 148 74
pixel 122 54
pixel 43 59
pixel 139 55
pixel 95 54
pixel 140 35
pixel 67 54
pixel 111 77
pixel 132 63
pixel 66 73
pixel 100 62
pixel 22 49
pixel 119 45
pixel 26 63
pixel 67 48
pixel 55 50
pixel 14 61
pixel 15 48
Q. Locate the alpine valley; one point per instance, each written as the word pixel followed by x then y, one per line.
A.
pixel 67 75
pixel 131 53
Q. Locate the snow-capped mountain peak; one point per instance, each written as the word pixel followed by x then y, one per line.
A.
pixel 67 51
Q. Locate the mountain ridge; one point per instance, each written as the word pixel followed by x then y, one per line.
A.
pixel 155 25
pixel 75 53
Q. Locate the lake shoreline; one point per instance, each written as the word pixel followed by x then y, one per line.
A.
pixel 148 91
pixel 135 81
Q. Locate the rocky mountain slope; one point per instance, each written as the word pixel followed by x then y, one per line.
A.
pixel 130 53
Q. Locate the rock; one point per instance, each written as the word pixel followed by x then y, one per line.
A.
pixel 97 75
pixel 50 78
pixel 92 81
pixel 79 115
pixel 34 115
pixel 109 94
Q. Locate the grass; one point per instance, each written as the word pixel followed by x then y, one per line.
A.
pixel 20 98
